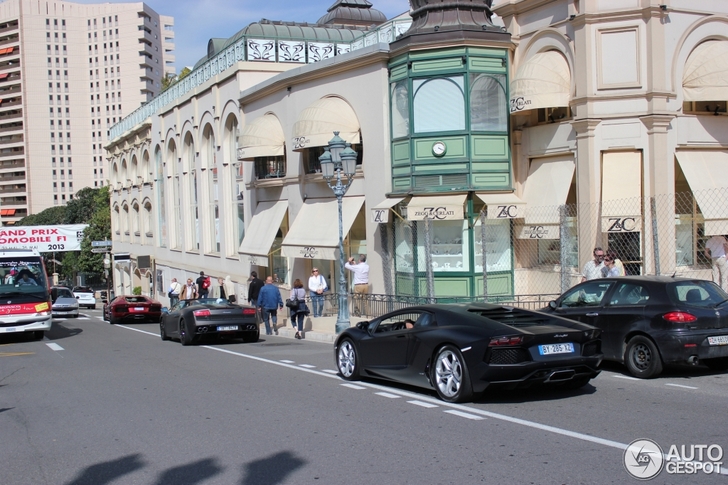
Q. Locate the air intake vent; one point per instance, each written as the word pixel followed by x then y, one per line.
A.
pixel 457 180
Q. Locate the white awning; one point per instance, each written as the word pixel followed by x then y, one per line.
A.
pixel 503 206
pixel 262 231
pixel 315 231
pixel 380 212
pixel 316 124
pixel 622 191
pixel 436 208
pixel 262 138
pixel 547 186
pixel 703 171
pixel 543 81
pixel 705 77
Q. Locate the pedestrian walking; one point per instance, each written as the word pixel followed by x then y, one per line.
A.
pixel 360 271
pixel 593 268
pixel 190 290
pixel 716 249
pixel 269 302
pixel 203 285
pixel 316 288
pixel 175 289
pixel 254 286
pixel 298 294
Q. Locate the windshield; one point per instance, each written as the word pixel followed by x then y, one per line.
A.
pixel 23 279
pixel 696 293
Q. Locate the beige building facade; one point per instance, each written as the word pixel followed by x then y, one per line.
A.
pixel 68 72
pixel 580 124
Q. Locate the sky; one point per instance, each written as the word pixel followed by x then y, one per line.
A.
pixel 197 21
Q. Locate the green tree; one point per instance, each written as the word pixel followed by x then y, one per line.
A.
pixel 171 79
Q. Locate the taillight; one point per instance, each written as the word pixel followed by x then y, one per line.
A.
pixel 498 341
pixel 119 308
pixel 679 317
pixel 201 313
pixel 248 311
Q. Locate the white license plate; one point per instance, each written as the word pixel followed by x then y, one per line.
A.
pixel 720 340
pixel 138 309
pixel 8 329
pixel 227 328
pixel 567 348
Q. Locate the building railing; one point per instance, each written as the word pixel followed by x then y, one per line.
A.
pixel 249 49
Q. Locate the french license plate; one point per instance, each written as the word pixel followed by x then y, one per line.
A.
pixel 138 309
pixel 719 340
pixel 566 348
pixel 227 328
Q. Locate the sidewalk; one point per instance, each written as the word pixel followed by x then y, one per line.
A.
pixel 321 329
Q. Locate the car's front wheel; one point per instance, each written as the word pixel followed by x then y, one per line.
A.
pixel 163 331
pixel 719 364
pixel 347 360
pixel 184 336
pixel 450 375
pixel 642 357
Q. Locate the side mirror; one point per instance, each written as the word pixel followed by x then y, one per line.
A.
pixel 552 305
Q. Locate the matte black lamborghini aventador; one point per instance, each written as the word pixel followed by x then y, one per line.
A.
pixel 462 349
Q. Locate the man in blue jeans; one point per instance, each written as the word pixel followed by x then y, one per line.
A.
pixel 269 302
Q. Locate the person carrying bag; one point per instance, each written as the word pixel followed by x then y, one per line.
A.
pixel 297 305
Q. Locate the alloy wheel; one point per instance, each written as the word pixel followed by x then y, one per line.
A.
pixel 448 373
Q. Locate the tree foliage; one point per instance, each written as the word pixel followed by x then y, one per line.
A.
pixel 90 206
pixel 171 79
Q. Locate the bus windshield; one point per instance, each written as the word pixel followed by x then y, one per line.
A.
pixel 23 279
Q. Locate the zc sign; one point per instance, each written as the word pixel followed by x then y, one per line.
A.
pixel 503 211
pixel 621 224
pixel 380 216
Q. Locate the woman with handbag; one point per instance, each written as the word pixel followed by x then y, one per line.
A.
pixel 316 289
pixel 297 305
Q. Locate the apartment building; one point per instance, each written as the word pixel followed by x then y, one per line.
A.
pixel 68 72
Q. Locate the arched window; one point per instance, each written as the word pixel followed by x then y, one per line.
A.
pixel 159 184
pixel 146 168
pixel 439 104
pixel 147 219
pixel 124 174
pixel 189 171
pixel 134 172
pixel 135 219
pixel 488 103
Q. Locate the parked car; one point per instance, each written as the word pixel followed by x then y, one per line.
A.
pixel 463 349
pixel 189 320
pixel 63 303
pixel 85 297
pixel 132 308
pixel 649 321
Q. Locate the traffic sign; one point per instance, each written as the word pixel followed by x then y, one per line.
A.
pixel 100 244
pixel 99 250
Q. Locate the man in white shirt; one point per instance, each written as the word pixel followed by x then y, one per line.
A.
pixel 716 248
pixel 175 288
pixel 360 274
pixel 593 268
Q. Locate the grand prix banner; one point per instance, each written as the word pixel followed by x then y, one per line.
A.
pixel 44 239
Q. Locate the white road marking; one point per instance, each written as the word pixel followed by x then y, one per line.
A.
pixel 329 371
pixel 353 386
pixel 464 415
pixel 308 366
pixel 680 385
pixel 464 409
pixel 619 376
pixel 288 361
pixel 423 404
pixel 387 394
pixel 54 346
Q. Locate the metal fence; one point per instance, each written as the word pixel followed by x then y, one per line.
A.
pixel 544 250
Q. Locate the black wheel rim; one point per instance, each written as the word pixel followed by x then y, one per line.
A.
pixel 642 356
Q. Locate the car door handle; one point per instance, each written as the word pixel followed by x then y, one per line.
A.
pixel 592 314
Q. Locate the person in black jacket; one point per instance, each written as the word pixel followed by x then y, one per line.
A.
pixel 254 286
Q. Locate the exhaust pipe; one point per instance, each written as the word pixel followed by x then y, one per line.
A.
pixel 693 360
pixel 560 375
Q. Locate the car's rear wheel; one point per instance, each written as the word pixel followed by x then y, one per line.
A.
pixel 450 375
pixel 719 364
pixel 163 331
pixel 642 358
pixel 184 335
pixel 347 360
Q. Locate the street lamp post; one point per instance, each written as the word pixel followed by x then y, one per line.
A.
pixel 339 160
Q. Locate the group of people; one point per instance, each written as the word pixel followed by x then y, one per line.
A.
pixel 604 265
pixel 202 287
pixel 24 277
pixel 267 297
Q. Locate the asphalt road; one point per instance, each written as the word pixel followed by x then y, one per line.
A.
pixel 96 404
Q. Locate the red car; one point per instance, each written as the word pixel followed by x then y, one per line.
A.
pixel 132 308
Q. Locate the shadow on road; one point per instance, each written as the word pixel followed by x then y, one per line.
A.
pixel 59 331
pixel 195 472
pixel 270 471
pixel 107 472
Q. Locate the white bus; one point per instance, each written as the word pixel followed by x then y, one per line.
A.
pixel 25 302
